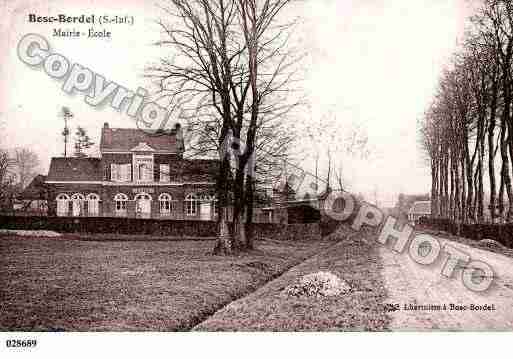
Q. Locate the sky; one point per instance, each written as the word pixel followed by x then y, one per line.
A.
pixel 371 62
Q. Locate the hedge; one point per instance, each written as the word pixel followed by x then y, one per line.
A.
pixel 502 233
pixel 154 227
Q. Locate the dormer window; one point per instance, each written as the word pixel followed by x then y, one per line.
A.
pixel 164 173
pixel 143 168
pixel 144 173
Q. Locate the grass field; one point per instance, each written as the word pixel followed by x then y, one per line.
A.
pixel 74 285
pixel 355 260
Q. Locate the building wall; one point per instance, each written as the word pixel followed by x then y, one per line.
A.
pixel 107 193
pixel 123 158
pixel 69 189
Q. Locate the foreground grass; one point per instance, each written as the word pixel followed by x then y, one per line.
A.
pixel 355 259
pixel 73 285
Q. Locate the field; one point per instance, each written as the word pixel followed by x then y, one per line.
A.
pixel 75 285
pixel 354 259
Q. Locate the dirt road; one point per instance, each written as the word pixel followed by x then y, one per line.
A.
pixel 421 293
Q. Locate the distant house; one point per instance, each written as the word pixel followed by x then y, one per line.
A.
pixel 285 207
pixel 419 209
pixel 34 196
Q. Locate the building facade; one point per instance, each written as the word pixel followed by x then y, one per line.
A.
pixel 419 209
pixel 137 175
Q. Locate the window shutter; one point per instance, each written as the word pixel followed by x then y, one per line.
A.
pixel 128 172
pixel 164 173
pixel 113 172
pixel 150 175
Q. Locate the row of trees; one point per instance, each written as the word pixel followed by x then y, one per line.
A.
pixel 467 132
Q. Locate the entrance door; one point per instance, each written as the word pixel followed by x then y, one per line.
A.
pixel 205 211
pixel 143 205
pixel 77 200
pixel 76 208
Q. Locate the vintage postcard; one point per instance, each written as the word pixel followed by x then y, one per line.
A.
pixel 255 166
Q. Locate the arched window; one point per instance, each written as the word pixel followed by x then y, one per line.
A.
pixel 93 207
pixel 62 204
pixel 205 198
pixel 166 204
pixel 191 205
pixel 121 201
pixel 77 207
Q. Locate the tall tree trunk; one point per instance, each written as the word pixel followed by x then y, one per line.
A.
pixel 491 159
pixel 224 241
pixel 250 198
pixel 239 237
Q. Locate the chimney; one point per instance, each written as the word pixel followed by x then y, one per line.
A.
pixel 106 135
pixel 179 138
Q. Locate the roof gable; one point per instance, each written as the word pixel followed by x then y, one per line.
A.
pixel 126 139
pixel 35 190
pixel 142 147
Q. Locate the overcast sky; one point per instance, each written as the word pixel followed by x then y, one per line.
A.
pixel 373 62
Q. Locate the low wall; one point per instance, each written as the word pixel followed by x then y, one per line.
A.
pixel 502 233
pixel 171 228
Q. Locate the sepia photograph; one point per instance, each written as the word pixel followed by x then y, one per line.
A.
pixel 339 167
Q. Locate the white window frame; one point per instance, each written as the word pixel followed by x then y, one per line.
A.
pixel 166 204
pixel 120 172
pixel 62 199
pixel 78 200
pixel 93 204
pixel 120 203
pixel 164 173
pixel 147 160
pixel 191 205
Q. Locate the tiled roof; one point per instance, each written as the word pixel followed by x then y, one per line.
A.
pixel 126 139
pixel 199 170
pixel 74 169
pixel 35 190
pixel 421 207
pixel 89 169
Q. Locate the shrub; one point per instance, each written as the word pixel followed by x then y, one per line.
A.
pixel 320 284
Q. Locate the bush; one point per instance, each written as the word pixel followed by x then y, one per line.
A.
pixel 155 227
pixel 320 284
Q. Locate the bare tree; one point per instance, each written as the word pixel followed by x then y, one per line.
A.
pixel 471 118
pixel 7 177
pixel 215 83
pixel 26 162
pixel 199 76
pixel 82 142
pixel 66 116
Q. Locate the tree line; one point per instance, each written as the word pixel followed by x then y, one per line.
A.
pixel 467 131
